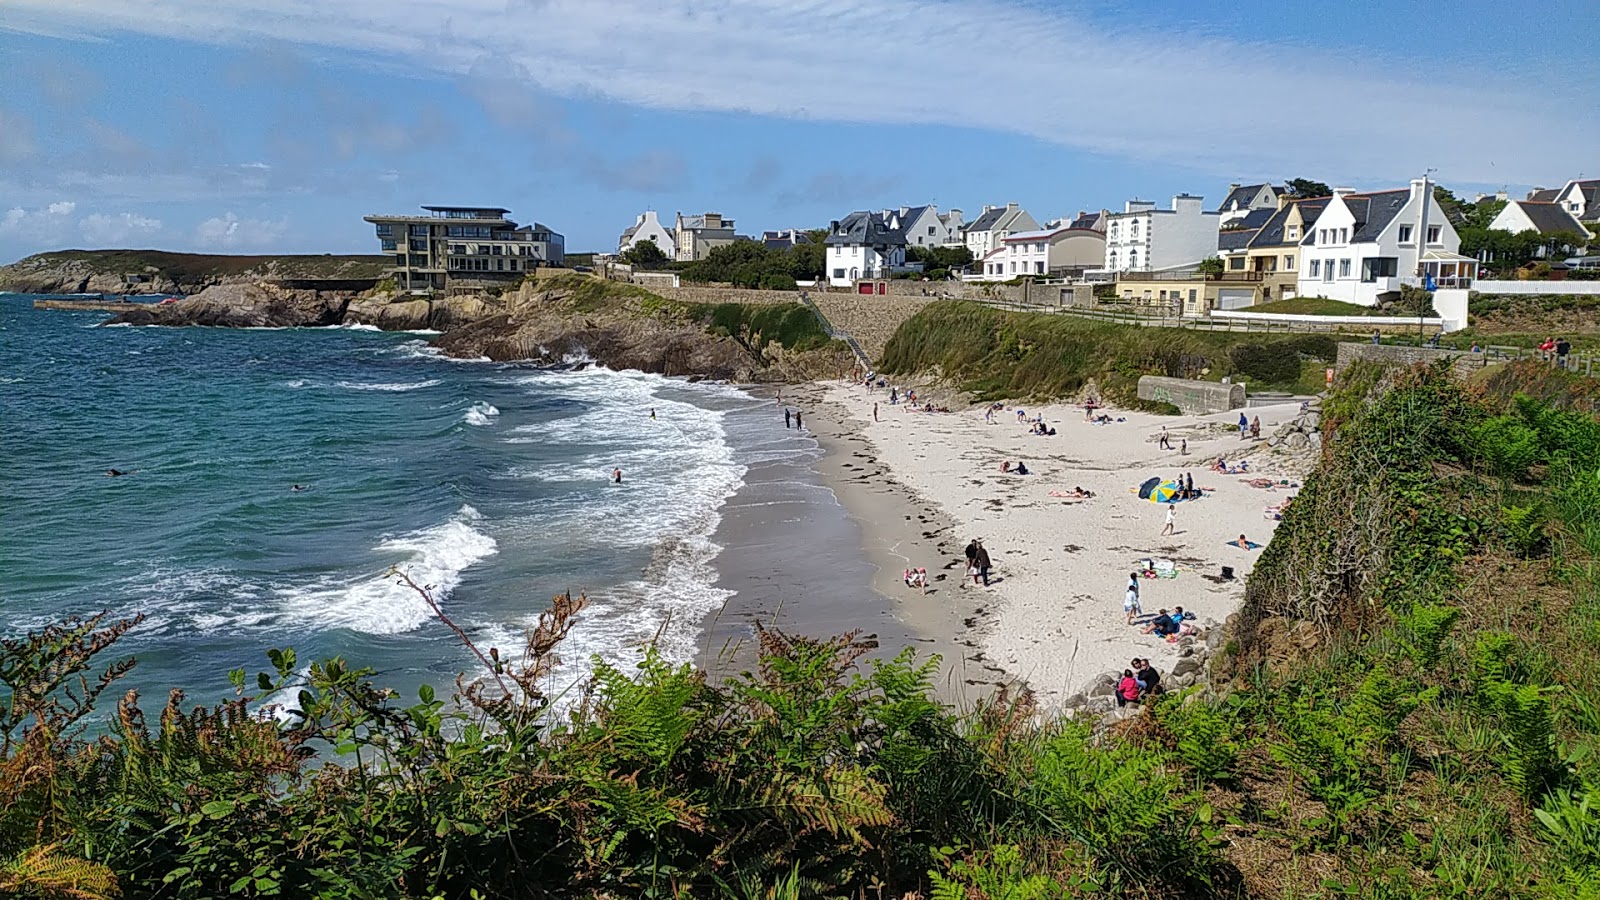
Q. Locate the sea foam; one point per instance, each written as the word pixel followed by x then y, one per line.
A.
pixel 382 604
pixel 480 414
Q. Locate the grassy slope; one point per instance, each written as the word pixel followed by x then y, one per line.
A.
pixel 994 353
pixel 188 266
pixel 793 325
pixel 1314 306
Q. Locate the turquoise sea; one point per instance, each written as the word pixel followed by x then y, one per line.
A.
pixel 488 481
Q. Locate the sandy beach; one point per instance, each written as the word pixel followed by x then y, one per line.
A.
pixel 921 485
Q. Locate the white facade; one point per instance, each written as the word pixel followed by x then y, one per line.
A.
pixel 1364 246
pixel 849 263
pixel 1518 216
pixel 648 228
pixel 1143 238
pixel 1043 252
pixel 994 225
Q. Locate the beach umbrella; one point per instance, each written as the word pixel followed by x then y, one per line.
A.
pixel 1165 492
pixel 1147 487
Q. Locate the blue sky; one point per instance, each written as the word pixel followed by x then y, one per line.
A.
pixel 274 125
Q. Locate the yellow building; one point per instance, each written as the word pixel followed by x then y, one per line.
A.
pixel 1274 252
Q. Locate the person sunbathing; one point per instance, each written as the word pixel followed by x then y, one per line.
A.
pixel 1241 543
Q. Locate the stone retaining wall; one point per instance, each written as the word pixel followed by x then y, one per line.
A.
pixel 1463 362
pixel 1193 397
pixel 706 294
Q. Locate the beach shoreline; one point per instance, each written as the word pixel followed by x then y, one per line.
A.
pixel 923 484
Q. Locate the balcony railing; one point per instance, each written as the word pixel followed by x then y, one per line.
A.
pixel 1236 277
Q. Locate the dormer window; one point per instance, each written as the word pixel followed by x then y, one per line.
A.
pixel 1293 233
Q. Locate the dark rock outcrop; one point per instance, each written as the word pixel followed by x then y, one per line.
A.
pixel 244 306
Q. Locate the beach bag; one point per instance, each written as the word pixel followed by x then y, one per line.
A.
pixel 972 570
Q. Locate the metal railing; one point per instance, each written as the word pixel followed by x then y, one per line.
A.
pixel 835 332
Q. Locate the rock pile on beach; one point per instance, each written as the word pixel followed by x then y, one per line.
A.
pixel 1303 432
pixel 1097 697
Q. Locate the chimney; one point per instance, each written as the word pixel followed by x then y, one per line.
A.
pixel 833 226
pixel 1011 205
pixel 1346 191
pixel 1233 187
pixel 1416 187
pixel 987 207
pixel 1536 189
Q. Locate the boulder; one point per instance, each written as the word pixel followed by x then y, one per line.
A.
pixel 389 313
pixel 245 306
pixel 1184 680
pixel 1186 666
pixel 1295 441
pixel 1314 440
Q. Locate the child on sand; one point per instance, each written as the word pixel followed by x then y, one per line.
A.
pixel 1130 604
pixel 1172 518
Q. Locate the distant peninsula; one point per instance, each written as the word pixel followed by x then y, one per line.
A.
pixel 164 272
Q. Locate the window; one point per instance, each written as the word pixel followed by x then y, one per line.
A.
pixel 419 246
pixel 1288 263
pixel 1344 268
pixel 1322 235
pixel 838 273
pixel 1316 268
pixel 388 245
pixel 1327 271
pixel 930 230
pixel 1191 295
pixel 1377 267
pixel 1433 234
pixel 1292 233
pixel 1344 235
pixel 1038 268
pixel 385 230
pixel 419 231
pixel 1236 262
pixel 1405 234
pixel 1038 248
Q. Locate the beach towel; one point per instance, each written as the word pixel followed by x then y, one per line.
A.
pixel 1252 545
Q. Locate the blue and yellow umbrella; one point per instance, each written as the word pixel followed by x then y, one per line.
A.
pixel 1166 492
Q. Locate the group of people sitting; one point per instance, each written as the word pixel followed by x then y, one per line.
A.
pixel 1165 623
pixel 1221 465
pixel 917 578
pixel 1021 468
pixel 1139 680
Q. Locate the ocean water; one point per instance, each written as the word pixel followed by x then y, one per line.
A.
pixel 490 482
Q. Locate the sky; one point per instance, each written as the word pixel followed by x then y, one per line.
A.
pixel 255 126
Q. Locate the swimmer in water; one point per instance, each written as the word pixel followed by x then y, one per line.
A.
pixel 616 476
pixel 298 488
pixel 652 414
pixel 113 473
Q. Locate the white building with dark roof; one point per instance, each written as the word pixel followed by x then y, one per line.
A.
pixel 1364 246
pixel 1242 199
pixel 989 230
pixel 925 226
pixel 863 245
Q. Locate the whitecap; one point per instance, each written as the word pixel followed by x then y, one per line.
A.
pixel 434 558
pixel 389 386
pixel 481 414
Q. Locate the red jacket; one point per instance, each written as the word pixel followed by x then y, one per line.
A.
pixel 1129 688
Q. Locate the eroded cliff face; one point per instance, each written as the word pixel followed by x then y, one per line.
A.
pixel 163 272
pixel 552 323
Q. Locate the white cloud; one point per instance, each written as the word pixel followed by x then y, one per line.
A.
pixel 117 230
pixel 1226 107
pixel 229 232
pixel 39 226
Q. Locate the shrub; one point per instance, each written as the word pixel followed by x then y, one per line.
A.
pixel 1526 530
pixel 1505 445
pixel 1206 734
pixel 1423 630
pixel 1269 363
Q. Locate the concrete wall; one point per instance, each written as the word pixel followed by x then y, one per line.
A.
pixel 1538 288
pixel 1195 397
pixel 1462 361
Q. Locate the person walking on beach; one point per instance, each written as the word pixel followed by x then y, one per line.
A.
pixel 1244 427
pixel 797 421
pixel 788 418
pixel 616 476
pixel 652 413
pixel 1130 604
pixel 980 559
pixel 1172 519
pixel 1255 427
pixel 1166 441
pixel 972 556
pixel 874 412
pixel 1189 485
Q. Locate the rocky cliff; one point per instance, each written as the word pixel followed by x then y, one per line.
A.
pixel 548 321
pixel 160 272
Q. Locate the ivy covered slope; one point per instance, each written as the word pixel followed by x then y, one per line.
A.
pixel 1406 709
pixel 998 354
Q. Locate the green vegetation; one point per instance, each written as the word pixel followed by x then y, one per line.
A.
pixel 1316 306
pixel 938 261
pixel 189 267
pixel 1211 265
pixel 794 326
pixel 752 264
pixel 1301 188
pixel 995 354
pixel 646 255
pixel 1406 708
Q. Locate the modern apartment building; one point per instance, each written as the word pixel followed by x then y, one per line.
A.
pixel 465 244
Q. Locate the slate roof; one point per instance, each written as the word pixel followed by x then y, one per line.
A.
pixel 986 222
pixel 1591 199
pixel 865 228
pixel 1238 235
pixel 1245 194
pixel 1271 234
pixel 1087 221
pixel 1549 218
pixel 1373 213
pixel 1547 195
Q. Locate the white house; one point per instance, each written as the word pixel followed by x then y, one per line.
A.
pixel 1243 198
pixel 925 226
pixel 1580 198
pixel 1363 247
pixel 1529 215
pixel 647 227
pixel 862 245
pixel 1048 251
pixel 994 225
pixel 1143 238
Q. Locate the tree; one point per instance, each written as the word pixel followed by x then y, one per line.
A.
pixel 1211 265
pixel 645 255
pixel 940 257
pixel 1301 188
